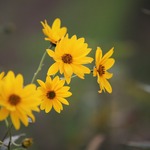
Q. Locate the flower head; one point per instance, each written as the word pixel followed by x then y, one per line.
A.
pixel 53 94
pixel 102 64
pixel 54 33
pixel 70 56
pixel 17 100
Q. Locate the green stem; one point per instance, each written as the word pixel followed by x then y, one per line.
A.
pixel 9 144
pixel 40 65
pixel 7 123
pixel 9 127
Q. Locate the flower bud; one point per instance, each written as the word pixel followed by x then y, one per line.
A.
pixel 27 142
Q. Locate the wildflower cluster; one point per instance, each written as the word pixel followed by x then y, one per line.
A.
pixel 70 55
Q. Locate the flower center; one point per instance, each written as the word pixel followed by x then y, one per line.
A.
pixel 67 58
pixel 14 99
pixel 101 70
pixel 51 95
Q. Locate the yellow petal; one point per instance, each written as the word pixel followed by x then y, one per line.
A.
pixel 107 85
pixel 107 55
pixel 62 32
pixel 59 104
pixel 78 71
pixel 109 63
pixel 94 71
pixel 68 79
pixel 81 40
pixel 56 24
pixel 15 120
pixel 43 105
pixel 41 83
pixel 74 37
pixel 101 84
pixel 23 117
pixel 55 80
pixel 108 75
pixel 98 56
pixel 59 85
pixel 68 70
pixel 1 75
pixel 56 107
pixel 50 52
pixel 62 100
pixel 84 60
pixel 48 79
pixel 31 116
pixel 3 113
pixel 19 80
pixel 53 69
pixel 48 107
pixel 63 89
pixel 29 90
pixel 66 94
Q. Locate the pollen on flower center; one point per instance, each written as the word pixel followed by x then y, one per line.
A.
pixel 51 94
pixel 101 70
pixel 14 99
pixel 67 58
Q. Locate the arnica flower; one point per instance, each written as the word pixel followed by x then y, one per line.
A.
pixel 102 64
pixel 70 56
pixel 17 101
pixel 54 33
pixel 53 94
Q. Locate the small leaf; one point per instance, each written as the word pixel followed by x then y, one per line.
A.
pixel 13 140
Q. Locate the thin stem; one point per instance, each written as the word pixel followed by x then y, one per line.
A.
pixel 8 129
pixel 10 138
pixel 7 123
pixel 40 65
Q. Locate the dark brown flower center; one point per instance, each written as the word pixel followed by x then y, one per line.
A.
pixel 14 99
pixel 101 70
pixel 67 58
pixel 51 95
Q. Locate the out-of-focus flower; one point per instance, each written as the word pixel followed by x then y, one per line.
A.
pixel 102 64
pixel 27 142
pixel 70 55
pixel 53 94
pixel 17 100
pixel 54 33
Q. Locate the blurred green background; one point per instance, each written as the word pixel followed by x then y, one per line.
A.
pixel 117 121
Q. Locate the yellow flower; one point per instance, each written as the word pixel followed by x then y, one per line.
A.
pixel 54 33
pixel 17 100
pixel 53 94
pixel 102 64
pixel 69 55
